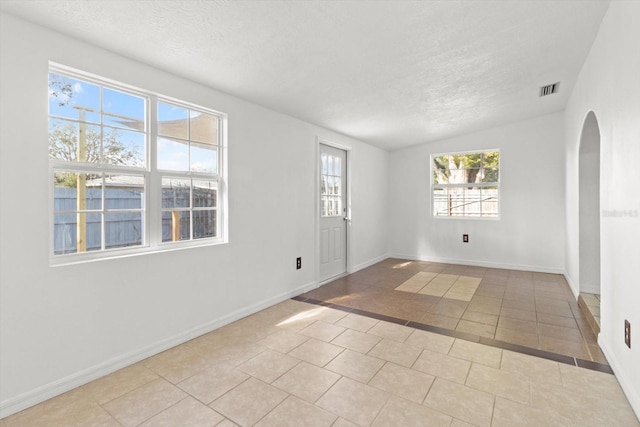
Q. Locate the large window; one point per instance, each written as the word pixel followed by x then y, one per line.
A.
pixel 466 184
pixel 131 171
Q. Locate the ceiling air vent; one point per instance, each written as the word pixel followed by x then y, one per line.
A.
pixel 549 89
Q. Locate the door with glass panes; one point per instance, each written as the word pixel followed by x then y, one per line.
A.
pixel 333 212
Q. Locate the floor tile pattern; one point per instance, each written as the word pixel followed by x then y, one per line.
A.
pixel 534 310
pixel 300 364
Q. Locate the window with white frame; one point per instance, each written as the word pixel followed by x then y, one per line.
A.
pixel 466 184
pixel 131 170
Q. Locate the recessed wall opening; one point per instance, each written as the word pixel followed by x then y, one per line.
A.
pixel 589 220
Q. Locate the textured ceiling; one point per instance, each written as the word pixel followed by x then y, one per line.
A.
pixel 391 73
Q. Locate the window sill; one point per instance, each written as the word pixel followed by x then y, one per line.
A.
pixel 74 259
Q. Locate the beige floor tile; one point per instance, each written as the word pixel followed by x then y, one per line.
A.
pixel 212 383
pixel 307 381
pixel 268 365
pixel 443 366
pixel 357 322
pixel 430 341
pixel 501 383
pixel 144 402
pixel 181 362
pixel 459 423
pixel 356 402
pixel 467 404
pixel 186 412
pixel 508 413
pixel 412 285
pixel 283 341
pixel 317 352
pixel 478 353
pixel 400 412
pixel 69 410
pixel 249 402
pixel 403 382
pixel 584 407
pixel 426 276
pixel 118 383
pixel 341 422
pixel 294 412
pixel 355 340
pixel 391 331
pixel 458 295
pixel 591 382
pixel 396 352
pixel 537 369
pixel 357 366
pixel 435 288
pixel 226 423
pixel 322 331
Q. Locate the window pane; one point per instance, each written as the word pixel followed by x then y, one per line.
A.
pixel 173 154
pixel 173 121
pixel 323 162
pixel 73 99
pixel 74 142
pixel 491 175
pixel 123 109
pixel 75 191
pixel 204 127
pixel 440 202
pixel 204 158
pixel 123 229
pixel 124 148
pixel 204 224
pixel 176 193
pixel 176 226
pixel 204 194
pixel 92 223
pixel 124 192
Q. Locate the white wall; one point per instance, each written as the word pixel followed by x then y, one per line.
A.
pixel 609 85
pixel 530 232
pixel 63 326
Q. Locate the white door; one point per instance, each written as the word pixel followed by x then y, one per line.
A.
pixel 333 212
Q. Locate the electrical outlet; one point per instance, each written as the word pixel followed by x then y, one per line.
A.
pixel 298 263
pixel 627 333
pixel 465 238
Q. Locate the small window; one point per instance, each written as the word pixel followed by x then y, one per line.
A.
pixel 117 154
pixel 331 185
pixel 466 184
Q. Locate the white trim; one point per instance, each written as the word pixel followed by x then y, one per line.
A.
pixel 62 385
pixel 627 387
pixel 487 264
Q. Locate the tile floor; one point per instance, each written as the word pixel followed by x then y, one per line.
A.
pixel 534 310
pixel 298 364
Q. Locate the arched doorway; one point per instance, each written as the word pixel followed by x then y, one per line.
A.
pixel 589 219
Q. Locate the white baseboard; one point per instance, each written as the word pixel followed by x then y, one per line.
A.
pixel 475 263
pixel 33 397
pixel 369 263
pixel 633 394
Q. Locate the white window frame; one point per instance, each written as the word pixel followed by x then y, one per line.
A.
pixel 434 185
pixel 152 210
